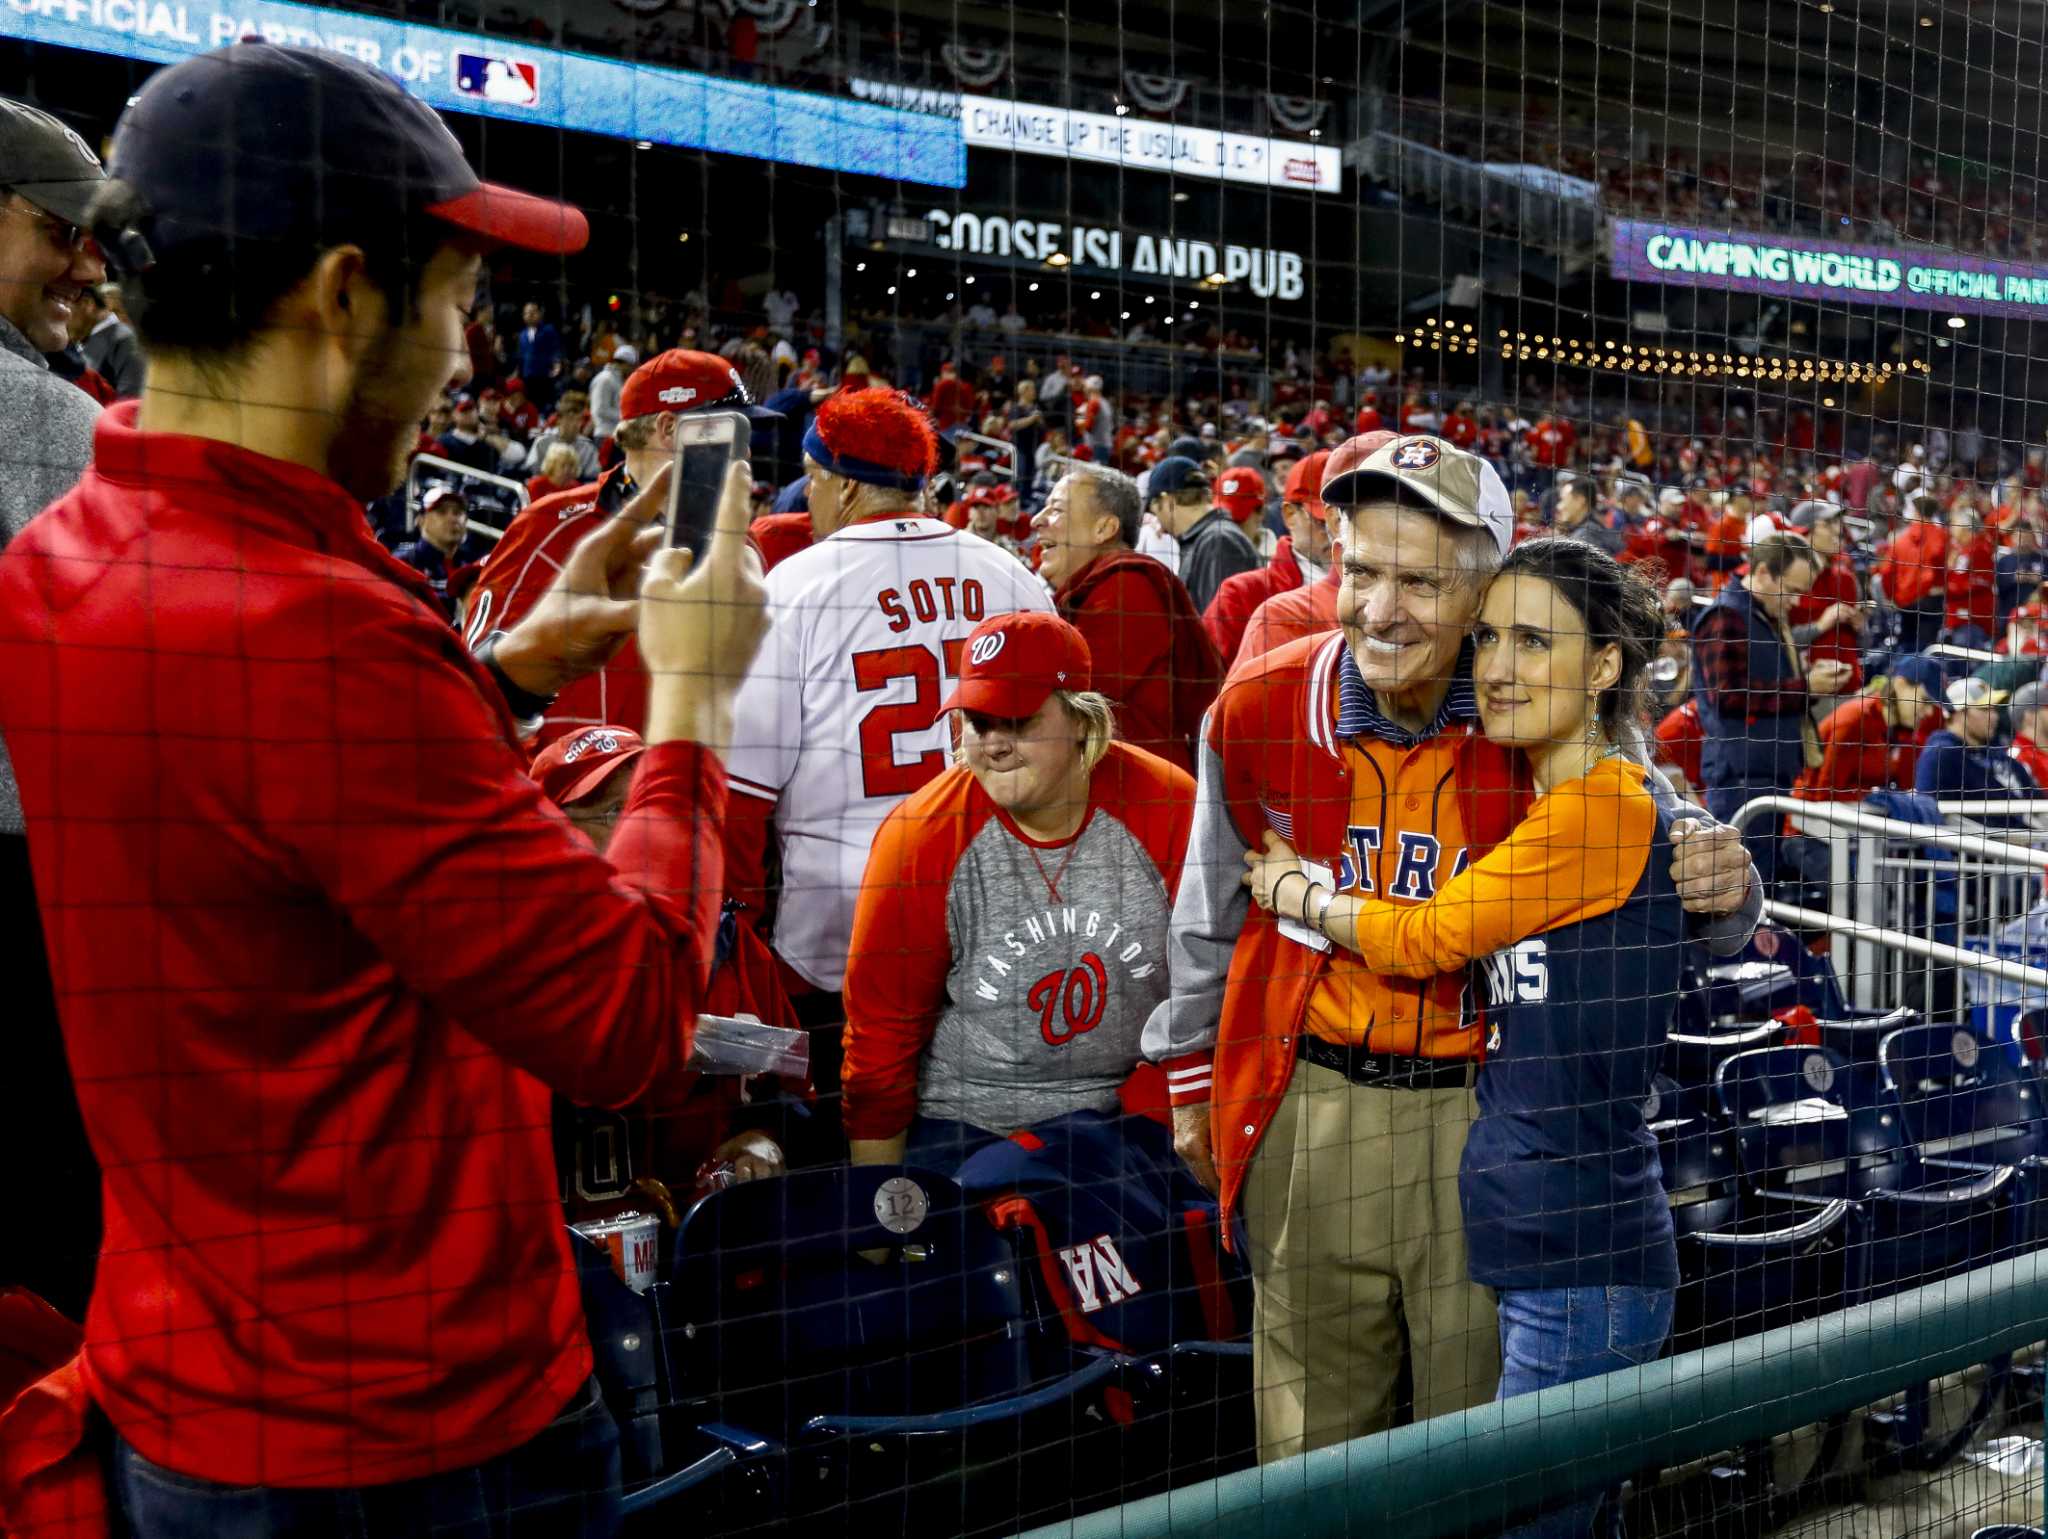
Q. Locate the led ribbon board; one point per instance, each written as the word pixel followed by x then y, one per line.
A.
pixel 1915 278
pixel 503 78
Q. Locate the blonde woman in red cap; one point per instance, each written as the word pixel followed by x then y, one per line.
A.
pixel 1010 936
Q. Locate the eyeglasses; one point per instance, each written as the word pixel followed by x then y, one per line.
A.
pixel 68 236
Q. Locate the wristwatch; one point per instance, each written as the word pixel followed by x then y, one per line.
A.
pixel 527 708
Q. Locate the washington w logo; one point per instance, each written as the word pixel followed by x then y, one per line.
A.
pixel 986 647
pixel 1099 1274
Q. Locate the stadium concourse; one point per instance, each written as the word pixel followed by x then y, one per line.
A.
pixel 1359 730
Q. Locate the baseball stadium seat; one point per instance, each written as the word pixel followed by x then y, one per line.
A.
pixel 869 1327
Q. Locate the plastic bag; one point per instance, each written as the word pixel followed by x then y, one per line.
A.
pixel 740 1044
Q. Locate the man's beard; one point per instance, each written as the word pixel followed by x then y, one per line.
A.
pixel 378 429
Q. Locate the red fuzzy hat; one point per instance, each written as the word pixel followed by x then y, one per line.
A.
pixel 877 436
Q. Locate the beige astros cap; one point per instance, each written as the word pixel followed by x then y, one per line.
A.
pixel 1461 486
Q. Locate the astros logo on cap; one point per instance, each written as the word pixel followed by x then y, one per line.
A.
pixel 1416 454
pixel 986 647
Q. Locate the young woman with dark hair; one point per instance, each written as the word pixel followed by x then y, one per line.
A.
pixel 1578 934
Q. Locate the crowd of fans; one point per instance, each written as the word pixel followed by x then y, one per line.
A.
pixel 1764 189
pixel 1120 794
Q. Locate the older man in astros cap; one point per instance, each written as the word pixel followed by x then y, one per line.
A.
pixel 321 982
pixel 1335 1102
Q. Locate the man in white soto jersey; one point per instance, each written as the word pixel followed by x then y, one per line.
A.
pixel 839 720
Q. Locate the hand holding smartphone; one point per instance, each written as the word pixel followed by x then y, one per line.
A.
pixel 706 447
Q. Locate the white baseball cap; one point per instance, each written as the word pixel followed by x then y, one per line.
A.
pixel 1461 486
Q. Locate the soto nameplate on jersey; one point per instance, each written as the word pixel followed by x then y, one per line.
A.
pixel 1293 929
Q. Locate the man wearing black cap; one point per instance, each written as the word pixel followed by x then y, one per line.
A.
pixel 47 178
pixel 323 952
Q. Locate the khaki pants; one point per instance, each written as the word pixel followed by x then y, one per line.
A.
pixel 1358 1255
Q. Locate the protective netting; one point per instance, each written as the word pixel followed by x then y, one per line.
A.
pixel 1152 904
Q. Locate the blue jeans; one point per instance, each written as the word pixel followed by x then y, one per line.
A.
pixel 1551 1336
pixel 563 1483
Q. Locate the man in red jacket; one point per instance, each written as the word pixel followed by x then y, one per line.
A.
pixel 1152 656
pixel 1300 560
pixel 1972 584
pixel 1312 608
pixel 321 948
pixel 523 563
pixel 1827 620
pixel 1913 574
pixel 1332 1098
pixel 952 401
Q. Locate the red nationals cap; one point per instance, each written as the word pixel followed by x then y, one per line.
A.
pixel 1011 663
pixel 684 380
pixel 1305 482
pixel 1241 491
pixel 572 767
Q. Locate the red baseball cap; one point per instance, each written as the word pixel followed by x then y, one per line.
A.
pixel 571 768
pixel 1305 482
pixel 1013 662
pixel 684 380
pixel 1241 491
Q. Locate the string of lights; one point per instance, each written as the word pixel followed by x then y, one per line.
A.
pixel 1460 338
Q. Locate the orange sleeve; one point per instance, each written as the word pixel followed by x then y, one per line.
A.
pixel 897 964
pixel 1554 869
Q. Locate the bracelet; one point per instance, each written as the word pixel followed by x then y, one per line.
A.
pixel 1280 908
pixel 524 705
pixel 1319 923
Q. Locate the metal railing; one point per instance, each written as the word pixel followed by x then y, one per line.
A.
pixel 1903 913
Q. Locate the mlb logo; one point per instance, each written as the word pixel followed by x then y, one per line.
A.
pixel 512 82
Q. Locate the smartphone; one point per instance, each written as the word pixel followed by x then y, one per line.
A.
pixel 706 447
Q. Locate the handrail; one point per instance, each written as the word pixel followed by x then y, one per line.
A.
pixel 1981 807
pixel 1843 815
pixel 1002 445
pixel 1968 654
pixel 1913 945
pixel 1477 1471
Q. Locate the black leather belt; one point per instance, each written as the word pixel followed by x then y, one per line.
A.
pixel 1391 1071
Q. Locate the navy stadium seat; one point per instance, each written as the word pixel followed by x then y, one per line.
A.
pixel 870 1325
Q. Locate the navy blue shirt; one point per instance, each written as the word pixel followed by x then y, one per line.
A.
pixel 1951 770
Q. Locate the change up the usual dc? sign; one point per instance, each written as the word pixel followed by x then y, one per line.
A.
pixel 1910 277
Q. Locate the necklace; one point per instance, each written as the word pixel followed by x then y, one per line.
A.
pixel 1052 883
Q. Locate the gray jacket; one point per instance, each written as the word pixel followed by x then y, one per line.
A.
pixel 112 349
pixel 49 423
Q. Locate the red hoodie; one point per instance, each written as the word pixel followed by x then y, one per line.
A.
pixel 1240 596
pixel 1152 656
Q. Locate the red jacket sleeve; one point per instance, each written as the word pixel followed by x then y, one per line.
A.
pixel 748 827
pixel 584 969
pixel 896 967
